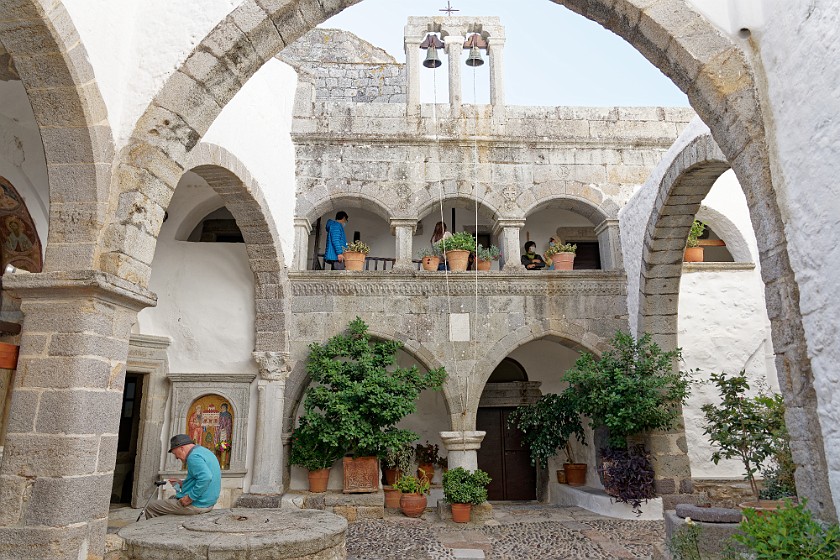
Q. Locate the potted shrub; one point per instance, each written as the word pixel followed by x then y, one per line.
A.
pixel 633 388
pixel 463 489
pixel 457 249
pixel 430 258
pixel 693 251
pixel 396 462
pixel 354 255
pixel 358 396
pixel 791 532
pixel 547 426
pixel 413 500
pixel 427 456
pixel 562 256
pixel 751 429
pixel 314 451
pixel 486 255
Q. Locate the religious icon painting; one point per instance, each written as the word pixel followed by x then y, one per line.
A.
pixel 20 245
pixel 210 424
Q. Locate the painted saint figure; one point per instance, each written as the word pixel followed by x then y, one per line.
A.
pixel 194 425
pixel 224 434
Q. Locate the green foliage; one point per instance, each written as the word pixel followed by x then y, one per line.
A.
pixel 358 247
pixel 408 484
pixel 461 486
pixel 547 426
pixel 310 451
pixel 751 429
pixel 685 542
pixel 398 457
pixel 463 240
pixel 561 248
pixel 697 229
pixel 434 251
pixel 427 454
pixel 790 533
pixel 632 388
pixel 358 393
pixel 491 253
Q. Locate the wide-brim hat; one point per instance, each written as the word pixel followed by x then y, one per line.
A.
pixel 178 440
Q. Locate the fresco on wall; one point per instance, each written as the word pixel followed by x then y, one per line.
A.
pixel 19 242
pixel 210 424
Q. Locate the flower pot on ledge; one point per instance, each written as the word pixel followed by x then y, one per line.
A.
pixel 354 261
pixel 361 474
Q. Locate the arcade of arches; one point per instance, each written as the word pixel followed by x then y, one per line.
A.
pixel 131 331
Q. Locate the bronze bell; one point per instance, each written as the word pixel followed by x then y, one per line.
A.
pixel 432 60
pixel 475 57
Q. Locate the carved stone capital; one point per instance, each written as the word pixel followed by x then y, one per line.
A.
pixel 462 441
pixel 273 366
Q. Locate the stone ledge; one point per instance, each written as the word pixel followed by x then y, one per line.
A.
pixel 597 501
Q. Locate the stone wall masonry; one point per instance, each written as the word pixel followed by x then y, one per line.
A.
pixel 509 310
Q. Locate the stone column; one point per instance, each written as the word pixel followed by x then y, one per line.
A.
pixel 609 245
pixel 412 75
pixel 303 229
pixel 404 230
pixel 462 447
pixel 495 48
pixel 274 369
pixel 509 230
pixel 61 442
pixel 454 48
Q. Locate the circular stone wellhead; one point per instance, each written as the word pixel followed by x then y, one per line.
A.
pixel 251 533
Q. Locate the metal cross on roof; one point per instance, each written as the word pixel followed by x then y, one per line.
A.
pixel 449 9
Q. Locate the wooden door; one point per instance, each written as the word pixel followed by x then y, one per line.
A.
pixel 503 456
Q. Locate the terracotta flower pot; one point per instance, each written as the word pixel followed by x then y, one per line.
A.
pixel 8 355
pixel 391 476
pixel 575 473
pixel 413 505
pixel 361 474
pixel 457 260
pixel 392 498
pixel 426 470
pixel 484 265
pixel 354 261
pixel 431 263
pixel 693 254
pixel 461 513
pixel 561 476
pixel 763 507
pixel 563 261
pixel 318 480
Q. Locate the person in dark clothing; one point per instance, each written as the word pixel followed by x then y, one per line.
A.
pixel 531 260
pixel 336 241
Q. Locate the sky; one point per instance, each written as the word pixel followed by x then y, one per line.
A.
pixel 552 56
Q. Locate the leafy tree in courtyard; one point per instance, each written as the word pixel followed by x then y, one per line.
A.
pixel 359 394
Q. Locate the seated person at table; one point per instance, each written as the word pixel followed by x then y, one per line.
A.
pixel 531 260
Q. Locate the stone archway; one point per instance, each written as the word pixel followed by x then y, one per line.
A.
pixel 53 64
pixel 687 175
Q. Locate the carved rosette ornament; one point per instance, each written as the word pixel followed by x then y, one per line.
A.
pixel 273 366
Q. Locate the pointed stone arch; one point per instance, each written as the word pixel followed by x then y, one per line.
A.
pixel 687 175
pixel 73 122
pixel 243 197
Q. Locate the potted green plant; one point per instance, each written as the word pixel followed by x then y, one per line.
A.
pixel 354 255
pixel 562 256
pixel 791 532
pixel 693 250
pixel 430 258
pixel 751 429
pixel 486 255
pixel 413 500
pixel 396 462
pixel 427 456
pixel 631 389
pixel 457 249
pixel 314 453
pixel 358 396
pixel 547 426
pixel 463 489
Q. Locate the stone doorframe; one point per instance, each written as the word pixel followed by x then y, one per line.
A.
pixel 147 355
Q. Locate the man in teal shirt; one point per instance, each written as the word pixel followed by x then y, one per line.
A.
pixel 200 490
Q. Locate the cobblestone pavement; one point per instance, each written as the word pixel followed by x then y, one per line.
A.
pixel 517 532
